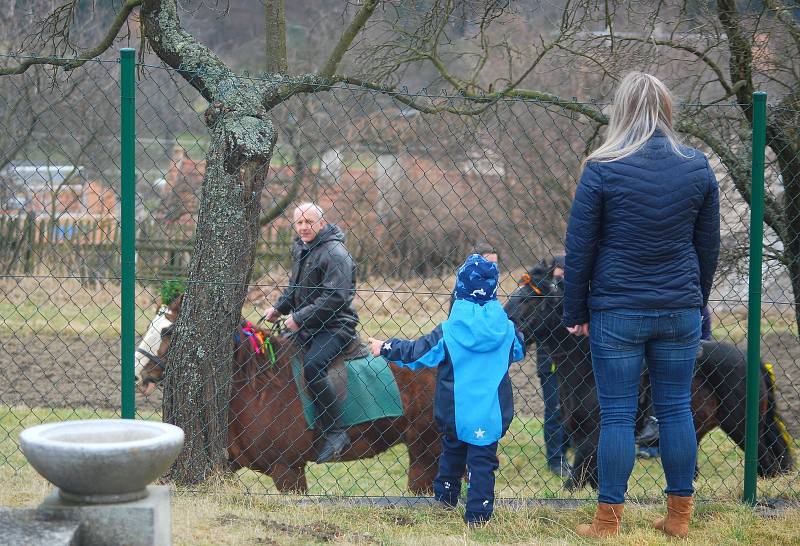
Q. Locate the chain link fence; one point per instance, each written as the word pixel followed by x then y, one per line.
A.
pixel 415 190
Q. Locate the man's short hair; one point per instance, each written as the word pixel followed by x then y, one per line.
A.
pixel 309 205
pixel 485 247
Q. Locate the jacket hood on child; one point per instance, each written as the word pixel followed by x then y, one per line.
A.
pixel 479 328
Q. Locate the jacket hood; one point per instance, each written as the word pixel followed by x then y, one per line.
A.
pixel 479 328
pixel 330 232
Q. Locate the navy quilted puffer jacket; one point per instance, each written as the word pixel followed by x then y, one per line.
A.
pixel 643 233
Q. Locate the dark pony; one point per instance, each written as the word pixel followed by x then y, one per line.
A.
pixel 718 387
pixel 267 431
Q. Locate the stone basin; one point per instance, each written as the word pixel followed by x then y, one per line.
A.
pixel 100 461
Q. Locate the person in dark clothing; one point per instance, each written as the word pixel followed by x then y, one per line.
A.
pixel 555 441
pixel 319 302
pixel 473 405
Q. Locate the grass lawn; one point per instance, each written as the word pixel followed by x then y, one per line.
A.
pixel 221 513
pixel 522 474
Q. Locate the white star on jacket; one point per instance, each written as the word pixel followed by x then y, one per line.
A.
pixel 479 432
pixel 387 346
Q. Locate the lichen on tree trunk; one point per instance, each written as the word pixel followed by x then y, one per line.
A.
pixel 197 385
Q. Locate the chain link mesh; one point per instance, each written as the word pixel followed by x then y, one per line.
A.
pixel 415 193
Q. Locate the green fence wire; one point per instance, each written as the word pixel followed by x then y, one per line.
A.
pixel 415 192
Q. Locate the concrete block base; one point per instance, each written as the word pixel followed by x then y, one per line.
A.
pixel 28 527
pixel 144 522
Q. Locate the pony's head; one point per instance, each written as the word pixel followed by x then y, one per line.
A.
pixel 535 306
pixel 256 351
pixel 151 352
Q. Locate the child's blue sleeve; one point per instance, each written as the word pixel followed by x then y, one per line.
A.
pixel 427 351
pixel 518 347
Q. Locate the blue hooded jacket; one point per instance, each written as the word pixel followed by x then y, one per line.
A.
pixel 473 350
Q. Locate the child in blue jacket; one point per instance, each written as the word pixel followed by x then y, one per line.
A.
pixel 473 406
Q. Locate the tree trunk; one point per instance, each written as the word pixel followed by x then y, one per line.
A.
pixel 197 382
pixel 197 385
pixel 789 163
pixel 275 27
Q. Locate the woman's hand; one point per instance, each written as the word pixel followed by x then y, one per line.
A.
pixel 375 346
pixel 579 329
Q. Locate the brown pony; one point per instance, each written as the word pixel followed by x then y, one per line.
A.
pixel 267 430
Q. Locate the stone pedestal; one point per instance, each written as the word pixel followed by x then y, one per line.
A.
pixel 144 522
pixel 28 527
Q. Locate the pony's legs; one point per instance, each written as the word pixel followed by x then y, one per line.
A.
pixel 289 478
pixel 423 459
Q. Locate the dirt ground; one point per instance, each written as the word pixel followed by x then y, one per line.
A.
pixel 62 372
pixel 69 372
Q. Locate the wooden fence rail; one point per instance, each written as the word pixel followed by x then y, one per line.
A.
pixel 88 248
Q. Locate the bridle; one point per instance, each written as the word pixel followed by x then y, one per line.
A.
pixel 247 330
pixel 526 280
pixel 159 362
pixel 153 358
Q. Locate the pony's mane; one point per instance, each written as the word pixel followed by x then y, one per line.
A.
pixel 272 356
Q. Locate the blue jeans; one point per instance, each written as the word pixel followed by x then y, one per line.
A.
pixel 554 441
pixel 620 340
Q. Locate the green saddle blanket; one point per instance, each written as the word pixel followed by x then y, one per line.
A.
pixel 372 391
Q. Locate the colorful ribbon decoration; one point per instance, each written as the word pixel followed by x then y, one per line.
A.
pixel 259 342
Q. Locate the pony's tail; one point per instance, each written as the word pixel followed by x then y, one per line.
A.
pixel 775 453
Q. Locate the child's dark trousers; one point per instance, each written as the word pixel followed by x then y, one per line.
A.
pixel 480 463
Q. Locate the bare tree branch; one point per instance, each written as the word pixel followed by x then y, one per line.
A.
pixel 738 169
pixel 784 15
pixel 701 55
pixel 347 37
pixel 83 56
pixel 741 59
pixel 275 23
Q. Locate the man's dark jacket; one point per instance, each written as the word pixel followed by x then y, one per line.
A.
pixel 322 286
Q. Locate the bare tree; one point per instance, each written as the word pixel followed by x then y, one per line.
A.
pixel 473 48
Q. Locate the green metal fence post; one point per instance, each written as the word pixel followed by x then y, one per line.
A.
pixel 128 227
pixel 754 296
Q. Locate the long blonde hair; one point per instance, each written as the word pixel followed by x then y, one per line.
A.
pixel 641 105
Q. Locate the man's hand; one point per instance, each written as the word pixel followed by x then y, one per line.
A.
pixel 579 329
pixel 291 324
pixel 272 315
pixel 375 346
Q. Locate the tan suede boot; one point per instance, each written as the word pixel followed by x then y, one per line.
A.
pixel 676 522
pixel 606 522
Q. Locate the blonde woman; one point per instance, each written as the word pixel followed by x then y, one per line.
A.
pixel 642 247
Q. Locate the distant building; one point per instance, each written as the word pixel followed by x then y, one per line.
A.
pixel 28 188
